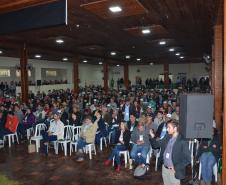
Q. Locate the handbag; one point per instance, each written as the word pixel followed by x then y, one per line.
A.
pixel 31 148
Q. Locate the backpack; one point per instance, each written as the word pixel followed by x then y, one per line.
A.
pixel 141 172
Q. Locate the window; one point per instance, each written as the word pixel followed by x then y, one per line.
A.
pixel 4 72
pixel 18 73
pixel 51 73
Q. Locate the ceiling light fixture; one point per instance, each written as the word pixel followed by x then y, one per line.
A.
pixel 59 41
pixel 118 65
pixel 171 49
pixel 138 59
pixel 151 63
pixel 38 56
pixel 100 63
pixel 85 61
pixel 128 56
pixel 113 53
pixel 162 42
pixel 177 54
pixel 115 9
pixel 1 51
pixel 146 31
pixel 65 59
pixel 181 57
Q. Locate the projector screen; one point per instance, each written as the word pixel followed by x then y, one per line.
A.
pixel 41 16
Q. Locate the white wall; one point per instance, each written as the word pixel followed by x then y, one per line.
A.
pixel 144 71
pixel 192 70
pixel 9 62
pixel 93 74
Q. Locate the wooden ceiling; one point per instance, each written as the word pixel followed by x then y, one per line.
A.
pixel 93 32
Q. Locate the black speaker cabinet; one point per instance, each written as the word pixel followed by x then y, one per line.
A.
pixel 39 82
pixel 196 115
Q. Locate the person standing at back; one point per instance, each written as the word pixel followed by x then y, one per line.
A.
pixel 174 155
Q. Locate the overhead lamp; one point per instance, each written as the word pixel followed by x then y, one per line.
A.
pixel 128 56
pixel 138 59
pixel 1 51
pixel 38 56
pixel 177 54
pixel 146 31
pixel 59 41
pixel 113 53
pixel 77 25
pixel 100 63
pixel 171 49
pixel 85 61
pixel 162 42
pixel 181 57
pixel 151 63
pixel 118 65
pixel 115 9
pixel 65 59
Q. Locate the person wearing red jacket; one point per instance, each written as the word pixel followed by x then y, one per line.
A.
pixel 10 125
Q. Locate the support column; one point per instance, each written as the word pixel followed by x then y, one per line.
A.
pixel 126 76
pixel 76 76
pixel 166 76
pixel 224 112
pixel 105 66
pixel 218 76
pixel 24 74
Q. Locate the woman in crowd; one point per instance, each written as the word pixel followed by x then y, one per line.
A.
pixel 122 140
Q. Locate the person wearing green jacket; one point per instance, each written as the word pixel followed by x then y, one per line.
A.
pixel 87 135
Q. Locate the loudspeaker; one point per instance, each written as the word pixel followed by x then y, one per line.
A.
pixel 196 116
pixel 39 83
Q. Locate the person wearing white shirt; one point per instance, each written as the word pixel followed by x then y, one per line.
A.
pixel 55 132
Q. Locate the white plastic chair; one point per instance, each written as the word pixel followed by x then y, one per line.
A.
pixel 101 142
pixel 109 136
pixel 37 136
pixel 156 159
pixel 125 153
pixel 29 132
pixel 215 168
pixel 68 133
pixel 89 148
pixel 75 136
pixel 1 144
pixel 11 137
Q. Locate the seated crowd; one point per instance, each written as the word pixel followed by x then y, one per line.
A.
pixel 136 121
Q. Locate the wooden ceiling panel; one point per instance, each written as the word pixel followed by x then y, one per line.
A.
pixel 184 25
pixel 156 31
pixel 101 8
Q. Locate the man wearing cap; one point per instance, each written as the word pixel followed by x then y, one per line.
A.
pixel 55 132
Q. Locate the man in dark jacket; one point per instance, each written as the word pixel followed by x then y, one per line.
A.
pixel 174 155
